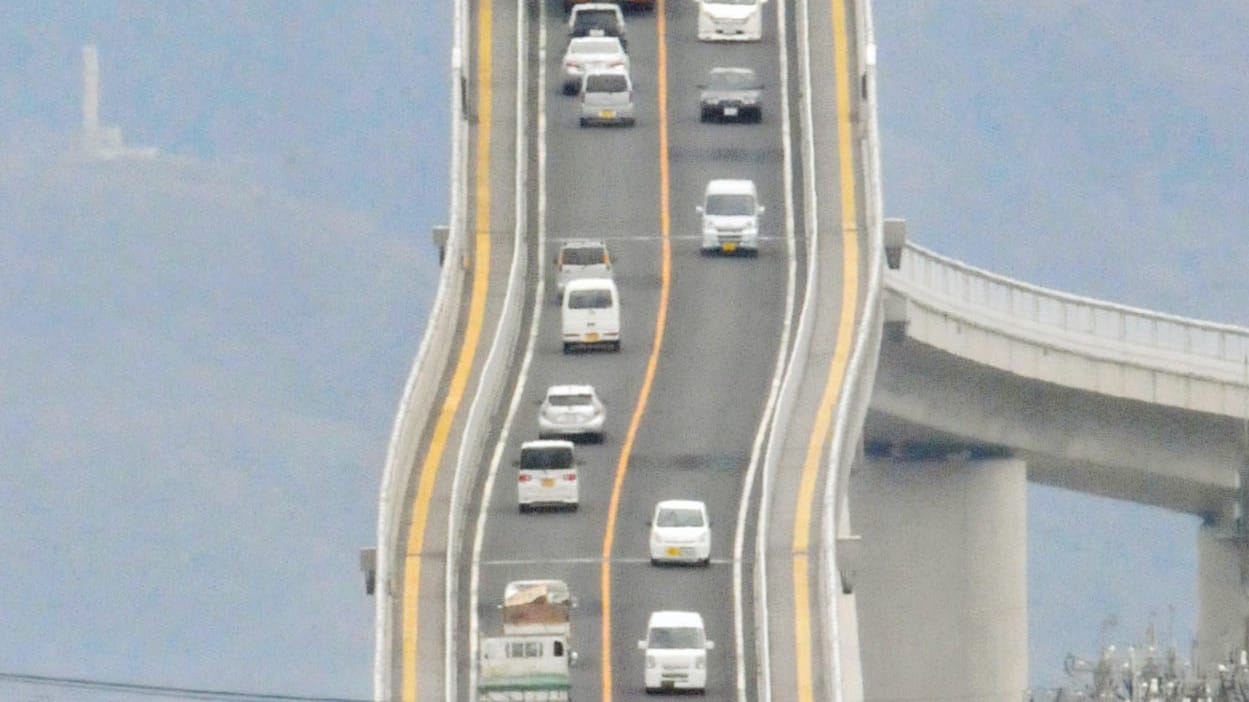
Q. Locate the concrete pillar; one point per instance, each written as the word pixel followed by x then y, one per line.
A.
pixel 942 593
pixel 1222 603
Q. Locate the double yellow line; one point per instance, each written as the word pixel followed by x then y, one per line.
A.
pixel 463 364
pixel 837 367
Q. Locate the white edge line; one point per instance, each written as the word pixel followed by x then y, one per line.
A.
pixel 500 446
pixel 778 375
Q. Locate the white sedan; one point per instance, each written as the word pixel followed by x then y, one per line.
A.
pixel 680 533
pixel 571 411
pixel 585 53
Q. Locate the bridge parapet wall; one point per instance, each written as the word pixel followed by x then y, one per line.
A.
pixel 1070 340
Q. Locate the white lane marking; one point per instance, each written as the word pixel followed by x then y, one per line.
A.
pixel 763 665
pixel 505 430
pixel 582 561
pixel 646 237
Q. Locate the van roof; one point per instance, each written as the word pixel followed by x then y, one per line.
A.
pixel 729 185
pixel 590 284
pixel 570 390
pixel 668 618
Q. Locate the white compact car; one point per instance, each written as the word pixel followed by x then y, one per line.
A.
pixel 676 648
pixel 730 213
pixel 587 53
pixel 680 533
pixel 571 411
pixel 590 314
pixel 607 97
pixel 546 475
pixel 730 20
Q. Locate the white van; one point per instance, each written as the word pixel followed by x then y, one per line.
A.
pixel 676 648
pixel 730 20
pixel 730 213
pixel 590 314
pixel 547 475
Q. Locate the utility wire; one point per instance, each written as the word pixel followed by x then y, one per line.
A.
pixel 164 691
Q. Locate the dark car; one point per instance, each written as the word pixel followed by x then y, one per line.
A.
pixel 598 19
pixel 731 93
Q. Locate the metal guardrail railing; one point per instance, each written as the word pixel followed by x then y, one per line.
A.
pixel 1077 341
pixel 420 390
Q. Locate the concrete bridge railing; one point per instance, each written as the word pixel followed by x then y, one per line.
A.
pixel 1070 340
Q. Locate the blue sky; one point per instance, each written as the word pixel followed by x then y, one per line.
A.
pixel 1099 147
pixel 203 353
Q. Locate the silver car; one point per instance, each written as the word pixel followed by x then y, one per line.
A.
pixel 571 411
pixel 606 98
pixel 581 258
pixel 587 53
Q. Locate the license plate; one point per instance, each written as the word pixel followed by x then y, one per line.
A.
pixel 730 247
pixel 730 112
pixel 607 114
pixel 548 482
pixel 674 551
pixel 591 336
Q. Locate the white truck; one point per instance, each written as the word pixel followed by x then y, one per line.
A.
pixel 530 661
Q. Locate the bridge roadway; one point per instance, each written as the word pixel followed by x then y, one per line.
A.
pixel 704 344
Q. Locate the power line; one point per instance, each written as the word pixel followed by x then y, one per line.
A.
pixel 165 691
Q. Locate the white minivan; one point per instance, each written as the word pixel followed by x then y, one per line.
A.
pixel 730 20
pixel 590 314
pixel 676 648
pixel 730 214
pixel 547 475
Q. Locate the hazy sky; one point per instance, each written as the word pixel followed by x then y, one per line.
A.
pixel 203 353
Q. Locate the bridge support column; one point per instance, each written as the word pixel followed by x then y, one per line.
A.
pixel 942 594
pixel 1222 597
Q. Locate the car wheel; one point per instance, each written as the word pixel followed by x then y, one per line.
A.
pixel 570 88
pixel 706 562
pixel 599 437
pixel 585 122
pixel 524 508
pixel 567 347
pixel 615 346
pixel 654 561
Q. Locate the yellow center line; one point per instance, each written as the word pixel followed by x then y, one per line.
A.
pixel 652 362
pixel 837 367
pixel 463 364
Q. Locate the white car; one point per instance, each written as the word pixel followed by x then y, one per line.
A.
pixel 730 213
pixel 680 533
pixel 676 648
pixel 586 53
pixel 571 411
pixel 546 475
pixel 730 20
pixel 581 258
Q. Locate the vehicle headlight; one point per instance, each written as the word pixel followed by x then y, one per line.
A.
pixel 650 661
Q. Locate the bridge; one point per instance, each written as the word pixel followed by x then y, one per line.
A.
pixel 860 415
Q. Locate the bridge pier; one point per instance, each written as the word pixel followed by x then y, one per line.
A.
pixel 942 593
pixel 1222 596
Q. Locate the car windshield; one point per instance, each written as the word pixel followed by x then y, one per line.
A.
pixel 595 19
pixel 584 255
pixel 679 517
pixel 675 637
pixel 606 83
pixel 595 46
pixel 589 299
pixel 569 400
pixel 730 205
pixel 545 458
pixel 732 80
